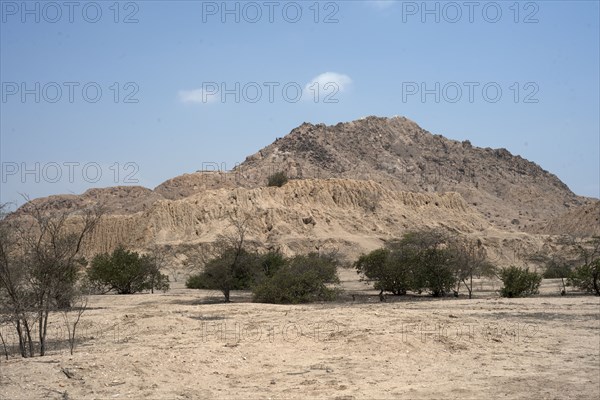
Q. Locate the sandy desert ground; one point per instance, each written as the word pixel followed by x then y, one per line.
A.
pixel 183 344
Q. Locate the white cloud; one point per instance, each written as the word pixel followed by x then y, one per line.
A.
pixel 326 86
pixel 196 96
pixel 381 4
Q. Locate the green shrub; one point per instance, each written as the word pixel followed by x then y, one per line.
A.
pixel 232 269
pixel 434 271
pixel 196 281
pixel 519 282
pixel 301 279
pixel 556 270
pixel 277 179
pixel 271 262
pixel 125 272
pixel 418 262
pixel 587 277
pixel 389 271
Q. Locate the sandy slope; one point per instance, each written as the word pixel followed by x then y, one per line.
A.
pixel 182 345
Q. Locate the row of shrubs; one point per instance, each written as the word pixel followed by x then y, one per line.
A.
pixel 432 261
pixel 521 282
pixel 272 277
pixel 421 262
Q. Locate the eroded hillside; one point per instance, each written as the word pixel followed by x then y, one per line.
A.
pixel 349 216
pixel 354 185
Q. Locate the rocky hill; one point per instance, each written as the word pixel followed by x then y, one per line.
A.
pixel 582 221
pixel 509 191
pixel 353 186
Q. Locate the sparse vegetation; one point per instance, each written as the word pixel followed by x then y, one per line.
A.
pixel 231 266
pixel 556 269
pixel 277 179
pixel 587 277
pixel 574 262
pixel 519 282
pixel 390 271
pixel 470 261
pixel 125 272
pixel 71 318
pixel 233 269
pixel 434 265
pixel 420 261
pixel 39 265
pixel 271 277
pixel 425 260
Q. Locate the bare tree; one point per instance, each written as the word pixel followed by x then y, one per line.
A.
pixel 470 261
pixel 17 302
pixel 40 256
pixel 3 322
pixel 588 250
pixel 569 259
pixel 587 275
pixel 78 308
pixel 228 266
pixel 556 264
pixel 158 260
pixel 169 261
pixel 239 222
pixel 231 245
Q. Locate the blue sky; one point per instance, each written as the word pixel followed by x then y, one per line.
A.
pixel 161 68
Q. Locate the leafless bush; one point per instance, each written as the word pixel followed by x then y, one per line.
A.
pixel 40 258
